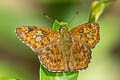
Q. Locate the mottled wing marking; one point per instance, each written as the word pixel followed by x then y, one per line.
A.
pixel 52 58
pixel 80 56
pixel 87 34
pixel 36 37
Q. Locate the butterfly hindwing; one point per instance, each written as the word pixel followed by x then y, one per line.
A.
pixel 80 56
pixel 52 57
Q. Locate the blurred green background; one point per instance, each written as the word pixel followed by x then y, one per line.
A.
pixel 18 61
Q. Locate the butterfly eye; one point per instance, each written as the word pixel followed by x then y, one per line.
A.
pixel 63 28
pixel 60 29
pixel 91 25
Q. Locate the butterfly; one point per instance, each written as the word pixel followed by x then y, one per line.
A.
pixel 63 50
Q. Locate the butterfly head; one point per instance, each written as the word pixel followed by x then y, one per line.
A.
pixel 63 28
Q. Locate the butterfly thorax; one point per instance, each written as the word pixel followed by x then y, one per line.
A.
pixel 66 42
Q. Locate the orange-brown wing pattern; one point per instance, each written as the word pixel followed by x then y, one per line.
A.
pixel 52 57
pixel 80 56
pixel 36 37
pixel 87 34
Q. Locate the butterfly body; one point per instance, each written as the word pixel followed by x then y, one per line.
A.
pixel 66 42
pixel 63 50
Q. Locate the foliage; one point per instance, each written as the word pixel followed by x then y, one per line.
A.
pixel 7 78
pixel 97 8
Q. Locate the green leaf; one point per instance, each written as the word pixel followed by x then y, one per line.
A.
pixel 57 24
pixel 47 75
pixel 97 8
pixel 7 78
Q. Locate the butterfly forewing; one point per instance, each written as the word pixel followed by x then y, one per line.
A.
pixel 87 34
pixel 36 37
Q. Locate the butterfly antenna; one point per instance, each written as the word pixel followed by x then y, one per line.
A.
pixel 76 13
pixel 44 14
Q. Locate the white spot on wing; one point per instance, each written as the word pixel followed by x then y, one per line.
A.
pixel 34 36
pixel 85 30
pixel 26 30
pixel 38 38
pixel 38 33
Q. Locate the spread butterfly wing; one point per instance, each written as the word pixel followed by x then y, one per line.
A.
pixel 47 43
pixel 80 56
pixel 52 57
pixel 87 34
pixel 36 37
